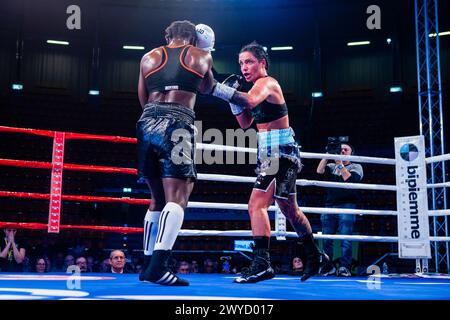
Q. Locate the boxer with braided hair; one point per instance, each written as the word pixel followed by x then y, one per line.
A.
pixel 170 78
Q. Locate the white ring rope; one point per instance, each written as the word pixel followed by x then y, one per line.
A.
pixel 305 155
pixel 443 157
pixel 304 182
pixel 224 178
pixel 246 233
pixel 316 210
pixel 439 185
pixel 300 182
pixel 218 205
pixel 362 159
pixel 313 183
pixel 312 155
pixel 343 185
pixel 320 210
pixel 439 213
pixel 218 147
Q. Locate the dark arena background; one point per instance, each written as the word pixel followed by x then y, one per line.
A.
pixel 69 70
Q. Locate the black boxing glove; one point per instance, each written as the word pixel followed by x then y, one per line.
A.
pixel 234 81
pixel 226 90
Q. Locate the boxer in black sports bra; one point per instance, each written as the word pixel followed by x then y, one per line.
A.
pixel 278 161
pixel 170 78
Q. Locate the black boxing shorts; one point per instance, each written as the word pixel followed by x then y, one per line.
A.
pixel 166 142
pixel 278 163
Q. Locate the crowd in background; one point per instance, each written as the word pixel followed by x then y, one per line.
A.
pixel 19 257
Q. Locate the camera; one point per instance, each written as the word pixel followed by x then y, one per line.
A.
pixel 334 144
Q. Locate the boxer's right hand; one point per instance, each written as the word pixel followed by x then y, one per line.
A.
pixel 228 87
pixel 234 81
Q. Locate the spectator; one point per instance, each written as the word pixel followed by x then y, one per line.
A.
pixel 194 266
pixel 41 265
pixel 12 255
pixel 209 266
pixel 297 266
pixel 183 267
pixel 117 262
pixel 340 171
pixel 81 262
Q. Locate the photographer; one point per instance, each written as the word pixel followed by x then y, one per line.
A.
pixel 339 171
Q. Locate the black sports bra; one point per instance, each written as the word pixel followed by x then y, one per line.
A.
pixel 267 112
pixel 173 73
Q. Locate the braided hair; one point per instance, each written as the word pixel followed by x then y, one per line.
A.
pixel 181 29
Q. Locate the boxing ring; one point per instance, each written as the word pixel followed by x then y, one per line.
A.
pixel 375 286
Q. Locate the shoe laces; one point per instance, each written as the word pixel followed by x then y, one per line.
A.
pixel 245 272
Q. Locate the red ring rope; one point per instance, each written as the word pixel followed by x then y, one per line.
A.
pixel 70 135
pixel 66 166
pixel 42 226
pixel 46 196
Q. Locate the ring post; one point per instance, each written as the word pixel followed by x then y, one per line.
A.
pixel 412 201
pixel 54 214
pixel 280 224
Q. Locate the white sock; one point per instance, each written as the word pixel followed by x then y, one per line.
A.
pixel 169 225
pixel 150 230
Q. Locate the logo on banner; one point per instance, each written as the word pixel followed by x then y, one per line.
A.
pixel 412 206
pixel 409 152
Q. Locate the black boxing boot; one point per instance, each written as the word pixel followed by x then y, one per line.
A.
pixel 259 270
pixel 159 272
pixel 314 258
pixel 147 260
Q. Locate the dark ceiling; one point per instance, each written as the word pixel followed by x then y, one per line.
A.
pixel 277 22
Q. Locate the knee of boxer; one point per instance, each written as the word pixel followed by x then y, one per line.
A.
pixel 157 204
pixel 257 208
pixel 205 37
